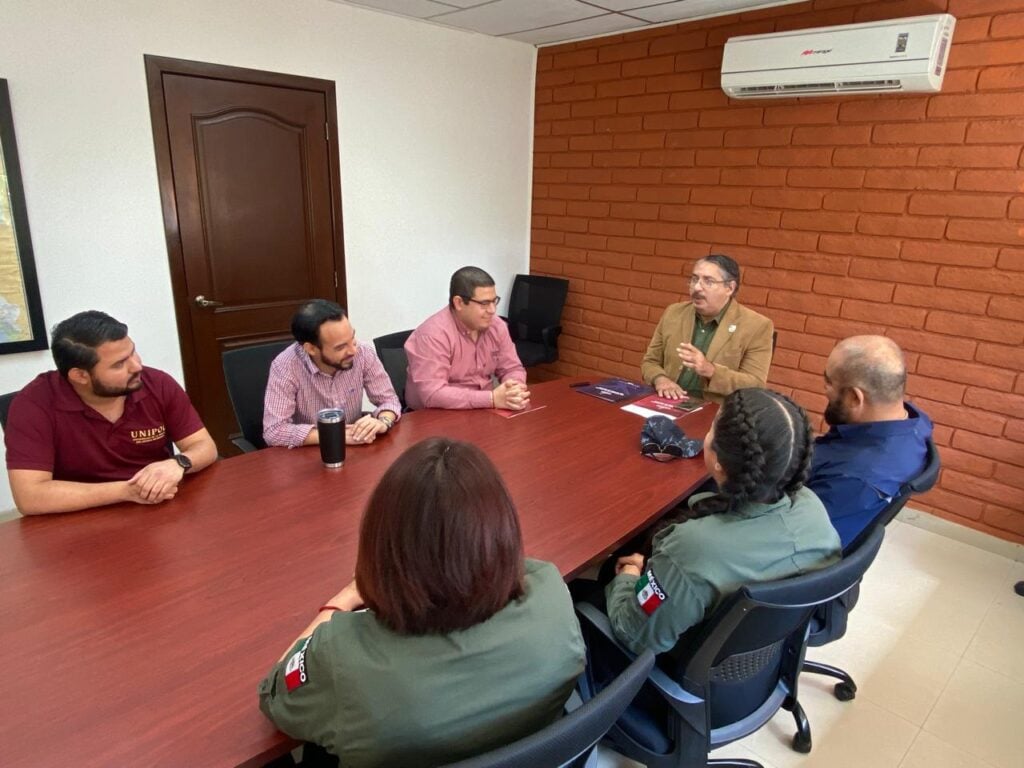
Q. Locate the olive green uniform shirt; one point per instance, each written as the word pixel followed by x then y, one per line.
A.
pixel 376 698
pixel 697 563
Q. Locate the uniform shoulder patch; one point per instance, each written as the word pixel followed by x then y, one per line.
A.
pixel 295 674
pixel 649 593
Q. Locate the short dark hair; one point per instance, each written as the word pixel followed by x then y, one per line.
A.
pixel 440 548
pixel 74 341
pixel 728 266
pixel 310 316
pixel 465 281
pixel 764 444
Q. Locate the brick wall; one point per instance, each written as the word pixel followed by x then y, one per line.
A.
pixel 901 215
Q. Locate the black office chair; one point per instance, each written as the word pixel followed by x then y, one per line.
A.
pixel 391 351
pixel 830 621
pixel 571 740
pixel 535 317
pixel 246 371
pixel 5 406
pixel 729 675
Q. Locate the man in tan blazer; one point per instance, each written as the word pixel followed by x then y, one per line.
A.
pixel 711 345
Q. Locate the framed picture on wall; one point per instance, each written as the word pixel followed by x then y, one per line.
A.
pixel 21 314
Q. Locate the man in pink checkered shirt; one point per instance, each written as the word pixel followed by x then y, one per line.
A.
pixel 454 353
pixel 326 368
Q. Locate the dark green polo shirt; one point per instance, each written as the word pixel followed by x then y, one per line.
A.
pixel 703 333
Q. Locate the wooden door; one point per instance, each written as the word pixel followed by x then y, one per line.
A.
pixel 252 209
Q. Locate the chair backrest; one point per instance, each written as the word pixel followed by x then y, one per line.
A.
pixel 928 476
pixel 536 303
pixel 5 406
pixel 391 351
pixel 756 636
pixel 568 741
pixel 924 481
pixel 246 371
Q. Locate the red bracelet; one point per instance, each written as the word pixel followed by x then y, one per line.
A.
pixel 323 608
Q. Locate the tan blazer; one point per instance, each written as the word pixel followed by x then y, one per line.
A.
pixel 741 349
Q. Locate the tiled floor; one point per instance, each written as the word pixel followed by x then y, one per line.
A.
pixel 936 645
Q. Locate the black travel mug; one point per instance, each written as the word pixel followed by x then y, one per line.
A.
pixel 330 423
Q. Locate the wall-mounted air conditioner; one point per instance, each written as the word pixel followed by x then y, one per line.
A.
pixel 901 55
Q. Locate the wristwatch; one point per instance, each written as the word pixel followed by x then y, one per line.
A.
pixel 183 461
pixel 387 420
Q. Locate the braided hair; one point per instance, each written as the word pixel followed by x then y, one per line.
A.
pixel 764 444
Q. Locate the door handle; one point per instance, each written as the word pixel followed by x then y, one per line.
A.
pixel 202 301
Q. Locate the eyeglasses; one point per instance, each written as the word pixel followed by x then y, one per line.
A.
pixel 485 304
pixel 707 282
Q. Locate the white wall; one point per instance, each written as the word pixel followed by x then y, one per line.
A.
pixel 435 128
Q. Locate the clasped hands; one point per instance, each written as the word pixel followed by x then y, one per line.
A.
pixel 511 395
pixel 155 482
pixel 630 564
pixel 364 430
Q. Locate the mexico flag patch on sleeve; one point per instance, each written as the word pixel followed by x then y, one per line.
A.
pixel 649 592
pixel 295 670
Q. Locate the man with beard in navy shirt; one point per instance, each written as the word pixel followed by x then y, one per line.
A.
pixel 876 440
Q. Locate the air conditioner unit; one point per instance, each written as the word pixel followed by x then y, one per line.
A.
pixel 901 55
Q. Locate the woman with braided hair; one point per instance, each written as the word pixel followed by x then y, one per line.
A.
pixel 763 524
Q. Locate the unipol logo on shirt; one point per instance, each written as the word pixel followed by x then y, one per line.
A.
pixel 152 435
pixel 649 593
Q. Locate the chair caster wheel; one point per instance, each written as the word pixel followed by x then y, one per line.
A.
pixel 845 691
pixel 801 743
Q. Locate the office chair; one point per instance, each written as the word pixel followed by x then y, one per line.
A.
pixel 391 351
pixel 535 316
pixel 729 675
pixel 5 406
pixel 830 621
pixel 570 741
pixel 246 371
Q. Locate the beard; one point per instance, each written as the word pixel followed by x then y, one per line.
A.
pixel 343 365
pixel 102 390
pixel 836 413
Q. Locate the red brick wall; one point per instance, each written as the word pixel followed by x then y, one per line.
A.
pixel 901 215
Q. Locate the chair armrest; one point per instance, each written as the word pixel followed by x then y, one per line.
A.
pixel 599 621
pixel 673 692
pixel 244 445
pixel 550 336
pixel 669 688
pixel 591 617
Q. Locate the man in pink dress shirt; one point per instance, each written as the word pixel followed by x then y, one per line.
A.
pixel 455 352
pixel 326 368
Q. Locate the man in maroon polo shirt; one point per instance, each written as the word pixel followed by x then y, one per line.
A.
pixel 101 429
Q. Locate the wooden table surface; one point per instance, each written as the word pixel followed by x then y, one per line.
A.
pixel 137 636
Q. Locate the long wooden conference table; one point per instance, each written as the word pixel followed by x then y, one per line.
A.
pixel 137 635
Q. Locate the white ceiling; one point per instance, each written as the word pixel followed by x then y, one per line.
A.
pixel 543 22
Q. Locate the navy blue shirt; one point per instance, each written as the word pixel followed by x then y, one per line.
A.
pixel 858 468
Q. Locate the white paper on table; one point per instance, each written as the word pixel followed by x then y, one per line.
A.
pixel 647 412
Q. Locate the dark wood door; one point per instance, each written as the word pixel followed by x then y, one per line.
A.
pixel 251 198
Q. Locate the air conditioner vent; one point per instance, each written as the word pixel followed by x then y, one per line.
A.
pixel 798 88
pixel 871 85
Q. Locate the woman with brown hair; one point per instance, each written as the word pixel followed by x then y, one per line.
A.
pixel 464 646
